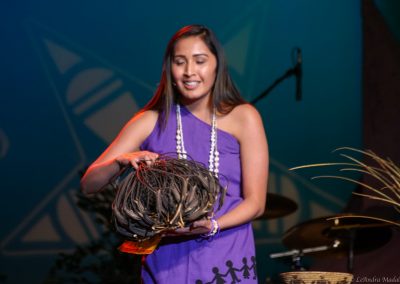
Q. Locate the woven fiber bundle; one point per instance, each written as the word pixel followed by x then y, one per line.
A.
pixel 171 193
pixel 313 277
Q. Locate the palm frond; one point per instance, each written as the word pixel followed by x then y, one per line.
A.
pixel 384 171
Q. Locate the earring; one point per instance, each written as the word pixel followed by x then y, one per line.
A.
pixel 174 84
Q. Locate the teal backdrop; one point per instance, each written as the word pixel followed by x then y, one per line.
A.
pixel 73 72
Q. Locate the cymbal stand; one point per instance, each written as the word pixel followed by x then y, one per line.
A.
pixel 296 255
pixel 351 230
pixel 350 260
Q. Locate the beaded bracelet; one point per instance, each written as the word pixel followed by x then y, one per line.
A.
pixel 213 231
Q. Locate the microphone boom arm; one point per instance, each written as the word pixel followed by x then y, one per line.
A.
pixel 296 71
pixel 288 73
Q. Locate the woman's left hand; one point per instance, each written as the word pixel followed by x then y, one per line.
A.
pixel 197 228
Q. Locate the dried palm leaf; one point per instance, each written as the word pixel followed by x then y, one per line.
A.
pixel 384 171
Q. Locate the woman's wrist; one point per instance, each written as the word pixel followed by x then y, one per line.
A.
pixel 214 230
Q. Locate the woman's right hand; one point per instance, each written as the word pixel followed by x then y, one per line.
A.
pixel 134 158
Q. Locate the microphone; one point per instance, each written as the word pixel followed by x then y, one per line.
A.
pixel 299 74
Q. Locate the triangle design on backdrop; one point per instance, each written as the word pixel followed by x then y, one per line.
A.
pixel 90 92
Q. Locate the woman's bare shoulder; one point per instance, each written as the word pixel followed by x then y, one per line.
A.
pixel 244 113
pixel 143 119
pixel 241 119
pixel 140 126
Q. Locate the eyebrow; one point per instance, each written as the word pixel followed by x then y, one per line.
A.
pixel 194 55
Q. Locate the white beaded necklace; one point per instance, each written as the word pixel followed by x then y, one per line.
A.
pixel 213 160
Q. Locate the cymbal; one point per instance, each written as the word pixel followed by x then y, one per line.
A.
pixel 278 206
pixel 335 233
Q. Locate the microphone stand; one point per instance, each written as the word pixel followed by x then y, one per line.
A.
pixel 288 73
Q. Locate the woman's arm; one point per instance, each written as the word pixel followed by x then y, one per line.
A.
pixel 249 130
pixel 123 150
pixel 254 162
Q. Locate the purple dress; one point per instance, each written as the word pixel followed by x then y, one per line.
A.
pixel 230 256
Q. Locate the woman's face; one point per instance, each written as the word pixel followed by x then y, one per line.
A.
pixel 193 69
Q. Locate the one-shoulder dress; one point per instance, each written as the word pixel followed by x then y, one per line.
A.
pixel 230 256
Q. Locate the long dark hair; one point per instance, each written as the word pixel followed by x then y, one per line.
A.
pixel 224 93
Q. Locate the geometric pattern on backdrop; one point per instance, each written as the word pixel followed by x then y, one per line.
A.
pixel 96 99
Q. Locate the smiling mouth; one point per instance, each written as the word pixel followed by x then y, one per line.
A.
pixel 191 84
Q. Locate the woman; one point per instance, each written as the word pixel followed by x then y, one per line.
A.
pixel 197 111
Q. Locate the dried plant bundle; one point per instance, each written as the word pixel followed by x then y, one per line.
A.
pixel 385 171
pixel 171 193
